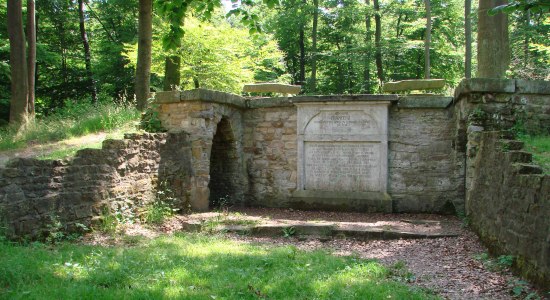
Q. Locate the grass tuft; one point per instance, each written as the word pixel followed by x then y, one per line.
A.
pixel 540 147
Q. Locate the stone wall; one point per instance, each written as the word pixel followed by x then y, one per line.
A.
pixel 508 202
pixel 121 177
pixel 421 135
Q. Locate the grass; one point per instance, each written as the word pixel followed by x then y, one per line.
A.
pixel 540 147
pixel 72 121
pixel 191 266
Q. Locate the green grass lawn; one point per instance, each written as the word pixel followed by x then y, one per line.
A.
pixel 540 147
pixel 191 267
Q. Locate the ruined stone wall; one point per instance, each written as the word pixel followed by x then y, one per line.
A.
pixel 508 202
pixel 122 177
pixel 271 155
pixel 422 174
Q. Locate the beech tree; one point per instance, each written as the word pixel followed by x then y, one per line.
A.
pixel 18 63
pixel 31 57
pixel 87 55
pixel 493 47
pixel 143 67
pixel 428 39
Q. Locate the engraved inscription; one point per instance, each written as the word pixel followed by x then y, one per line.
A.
pixel 342 122
pixel 342 166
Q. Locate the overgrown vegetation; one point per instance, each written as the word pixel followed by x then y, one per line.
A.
pixel 75 119
pixel 540 147
pixel 191 267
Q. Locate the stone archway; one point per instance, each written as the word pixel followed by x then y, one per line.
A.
pixel 224 167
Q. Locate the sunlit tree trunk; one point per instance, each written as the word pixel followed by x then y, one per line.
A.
pixel 493 47
pixel 172 76
pixel 18 63
pixel 302 47
pixel 31 55
pixel 428 40
pixel 468 36
pixel 143 67
pixel 87 55
pixel 368 56
pixel 314 46
pixel 377 42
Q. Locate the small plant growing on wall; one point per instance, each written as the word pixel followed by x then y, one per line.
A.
pixel 162 207
pixel 150 120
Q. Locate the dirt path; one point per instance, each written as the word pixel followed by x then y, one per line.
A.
pixel 45 149
pixel 446 266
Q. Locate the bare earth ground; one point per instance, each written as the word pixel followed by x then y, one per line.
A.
pixel 446 266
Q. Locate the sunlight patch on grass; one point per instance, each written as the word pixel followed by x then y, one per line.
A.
pixel 191 267
pixel 540 147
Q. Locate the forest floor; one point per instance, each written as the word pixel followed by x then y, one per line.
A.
pixel 452 267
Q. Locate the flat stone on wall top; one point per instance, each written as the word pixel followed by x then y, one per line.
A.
pixel 412 85
pixel 200 95
pixel 424 101
pixel 272 88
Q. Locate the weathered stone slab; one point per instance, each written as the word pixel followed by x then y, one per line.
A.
pixel 424 101
pixel 272 88
pixel 167 97
pixel 540 87
pixel 485 85
pixel 290 101
pixel 413 85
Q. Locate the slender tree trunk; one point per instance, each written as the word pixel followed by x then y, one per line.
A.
pixel 526 40
pixel 314 46
pixel 18 63
pixel 87 55
pixel 31 55
pixel 428 39
pixel 302 47
pixel 493 47
pixel 377 42
pixel 468 36
pixel 172 76
pixel 368 56
pixel 143 67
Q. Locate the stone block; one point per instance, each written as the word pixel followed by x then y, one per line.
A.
pixel 540 87
pixel 424 101
pixel 412 85
pixel 272 88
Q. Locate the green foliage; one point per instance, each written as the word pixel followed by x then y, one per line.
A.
pixel 162 207
pixel 192 267
pixel 150 121
pixel 75 119
pixel 289 232
pixel 540 147
pixel 500 263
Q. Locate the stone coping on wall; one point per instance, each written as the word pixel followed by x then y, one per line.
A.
pixel 508 86
pixel 408 101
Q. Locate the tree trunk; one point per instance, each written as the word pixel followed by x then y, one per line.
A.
pixel 377 42
pixel 302 47
pixel 143 67
pixel 428 40
pixel 18 64
pixel 87 56
pixel 368 56
pixel 31 57
pixel 493 47
pixel 172 75
pixel 526 40
pixel 468 36
pixel 314 46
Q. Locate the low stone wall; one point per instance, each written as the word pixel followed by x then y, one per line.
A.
pixel 121 177
pixel 508 202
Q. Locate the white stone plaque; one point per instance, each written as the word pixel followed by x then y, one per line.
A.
pixel 343 147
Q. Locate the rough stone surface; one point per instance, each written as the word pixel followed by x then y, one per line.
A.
pixel 272 88
pixel 122 177
pixel 509 206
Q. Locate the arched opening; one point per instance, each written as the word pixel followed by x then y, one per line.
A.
pixel 224 171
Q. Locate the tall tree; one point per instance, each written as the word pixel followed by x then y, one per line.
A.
pixel 493 47
pixel 428 39
pixel 18 63
pixel 31 55
pixel 377 41
pixel 143 66
pixel 87 56
pixel 303 45
pixel 368 42
pixel 468 39
pixel 314 46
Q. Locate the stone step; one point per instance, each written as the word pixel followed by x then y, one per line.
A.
pixel 320 231
pixel 520 157
pixel 511 144
pixel 522 168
